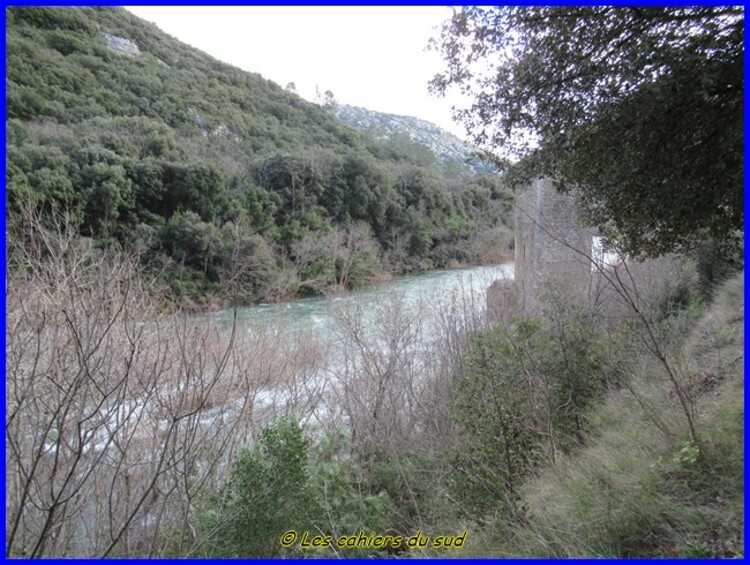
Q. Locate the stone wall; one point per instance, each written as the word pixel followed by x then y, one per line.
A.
pixel 551 247
pixel 554 250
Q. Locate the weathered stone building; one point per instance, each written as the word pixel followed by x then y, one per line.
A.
pixel 551 244
pixel 553 251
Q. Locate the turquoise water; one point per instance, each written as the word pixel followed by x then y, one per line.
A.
pixel 438 288
pixel 312 353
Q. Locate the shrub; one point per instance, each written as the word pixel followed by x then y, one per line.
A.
pixel 522 397
pixel 348 498
pixel 269 492
pixel 495 415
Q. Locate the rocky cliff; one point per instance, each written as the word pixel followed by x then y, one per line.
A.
pixel 446 146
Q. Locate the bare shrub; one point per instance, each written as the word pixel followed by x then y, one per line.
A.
pixel 377 371
pixel 119 416
pixel 391 380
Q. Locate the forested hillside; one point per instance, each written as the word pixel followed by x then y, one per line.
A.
pixel 220 180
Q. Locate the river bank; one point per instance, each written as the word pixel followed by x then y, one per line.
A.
pixel 214 303
pixel 439 286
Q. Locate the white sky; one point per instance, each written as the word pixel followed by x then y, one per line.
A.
pixel 370 56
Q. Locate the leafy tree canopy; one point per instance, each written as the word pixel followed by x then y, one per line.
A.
pixel 640 108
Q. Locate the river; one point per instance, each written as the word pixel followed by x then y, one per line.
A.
pixel 372 361
pixel 440 287
pixel 312 355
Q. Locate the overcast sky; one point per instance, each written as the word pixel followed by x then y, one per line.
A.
pixel 373 57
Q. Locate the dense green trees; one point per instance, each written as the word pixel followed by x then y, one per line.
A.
pixel 287 481
pixel 640 108
pixel 214 174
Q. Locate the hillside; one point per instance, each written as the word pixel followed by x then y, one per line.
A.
pixel 220 180
pixel 591 416
pixel 444 145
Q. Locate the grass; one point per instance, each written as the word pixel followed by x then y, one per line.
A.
pixel 638 489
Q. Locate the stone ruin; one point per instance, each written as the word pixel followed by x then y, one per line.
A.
pixel 551 244
pixel 551 247
pixel 554 250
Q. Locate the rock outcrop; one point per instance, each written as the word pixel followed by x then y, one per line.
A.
pixel 443 144
pixel 120 44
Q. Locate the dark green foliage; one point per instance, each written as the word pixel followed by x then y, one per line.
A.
pixel 285 483
pixel 521 399
pixel 52 18
pixel 350 501
pixel 417 486
pixel 640 108
pixel 128 141
pixel 193 242
pixel 270 491
pixel 716 261
pixel 495 413
pixel 571 352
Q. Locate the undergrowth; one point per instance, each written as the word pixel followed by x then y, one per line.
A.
pixel 638 489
